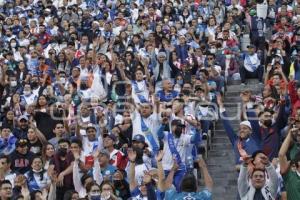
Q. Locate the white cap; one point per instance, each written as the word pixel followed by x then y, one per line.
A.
pixel 246 123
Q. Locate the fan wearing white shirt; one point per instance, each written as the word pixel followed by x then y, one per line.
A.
pixel 90 142
pixel 252 67
pixel 28 97
pixel 176 144
pixel 145 121
pixel 140 90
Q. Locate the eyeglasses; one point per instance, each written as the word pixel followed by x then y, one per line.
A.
pixel 7 188
pixel 210 58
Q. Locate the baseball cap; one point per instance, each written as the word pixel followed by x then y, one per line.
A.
pixel 90 125
pixel 21 143
pixel 139 138
pixel 246 123
pixel 23 117
pixel 111 136
pixel 177 122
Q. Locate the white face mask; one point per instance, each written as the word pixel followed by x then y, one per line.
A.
pixel 13 83
pixel 200 21
pixel 27 93
pixel 62 80
pixel 59 13
pixel 13 44
pixel 228 56
pixel 31 48
pixel 213 50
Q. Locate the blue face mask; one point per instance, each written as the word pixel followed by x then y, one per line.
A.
pixel 180 82
pixel 95 197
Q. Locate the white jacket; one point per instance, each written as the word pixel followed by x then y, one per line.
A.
pixel 247 191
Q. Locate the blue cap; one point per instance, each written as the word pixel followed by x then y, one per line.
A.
pixel 139 138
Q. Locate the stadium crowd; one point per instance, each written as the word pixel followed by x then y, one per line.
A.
pixel 115 99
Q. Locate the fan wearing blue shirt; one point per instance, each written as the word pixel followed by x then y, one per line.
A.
pixel 167 94
pixel 188 183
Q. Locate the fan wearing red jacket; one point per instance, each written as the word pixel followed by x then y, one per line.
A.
pixel 295 96
pixel 117 157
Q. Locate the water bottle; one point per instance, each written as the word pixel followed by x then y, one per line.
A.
pixel 190 164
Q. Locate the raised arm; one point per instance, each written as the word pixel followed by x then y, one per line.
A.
pixel 76 176
pixel 132 182
pixel 284 163
pixel 161 173
pixel 243 184
pixel 207 178
pixel 273 181
pixel 227 126
pixel 39 134
pixel 97 170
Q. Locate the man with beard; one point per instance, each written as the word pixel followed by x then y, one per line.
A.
pixel 20 132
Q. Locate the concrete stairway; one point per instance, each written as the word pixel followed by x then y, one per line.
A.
pixel 221 163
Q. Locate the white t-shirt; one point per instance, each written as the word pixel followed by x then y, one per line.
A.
pixel 140 90
pixel 181 145
pixel 152 122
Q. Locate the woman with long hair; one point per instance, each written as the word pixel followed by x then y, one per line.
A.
pixel 47 154
pixel 37 176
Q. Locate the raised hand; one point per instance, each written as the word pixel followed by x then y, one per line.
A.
pixel 264 159
pixel 131 155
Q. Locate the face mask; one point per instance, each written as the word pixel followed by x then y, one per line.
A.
pixel 79 13
pixel 268 123
pixel 34 84
pixel 83 86
pixel 13 83
pixel 117 183
pixel 62 152
pixel 37 171
pixel 62 80
pixel 59 13
pixel 95 197
pixel 13 45
pixel 228 56
pixel 200 21
pixel 180 82
pixel 31 48
pixel 213 50
pixel 27 93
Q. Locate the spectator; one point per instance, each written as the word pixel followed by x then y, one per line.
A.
pixel 259 187
pixel 252 66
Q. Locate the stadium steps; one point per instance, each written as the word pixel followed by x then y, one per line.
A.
pixel 220 161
